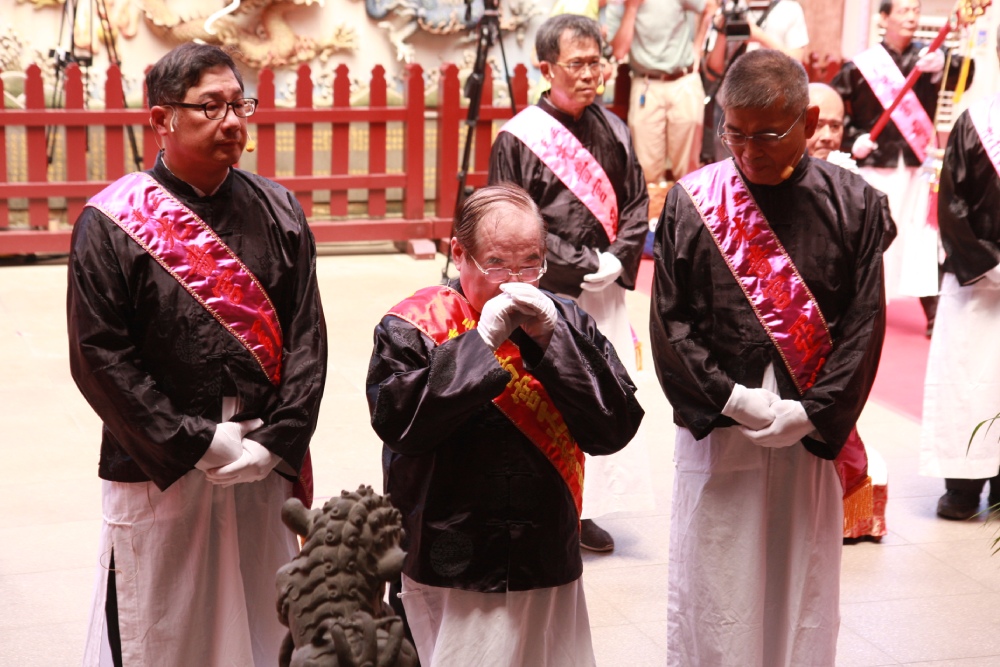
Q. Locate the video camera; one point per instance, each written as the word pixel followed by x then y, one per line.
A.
pixel 736 23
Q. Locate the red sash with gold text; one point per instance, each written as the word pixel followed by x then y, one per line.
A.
pixel 885 80
pixel 193 254
pixel 442 314
pixel 570 161
pixel 982 115
pixel 779 296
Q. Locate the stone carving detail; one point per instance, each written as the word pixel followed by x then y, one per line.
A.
pixel 331 595
pixel 257 28
pixel 401 19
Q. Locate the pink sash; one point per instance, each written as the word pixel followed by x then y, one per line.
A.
pixel 570 161
pixel 187 248
pixel 982 116
pixel 910 117
pixel 779 296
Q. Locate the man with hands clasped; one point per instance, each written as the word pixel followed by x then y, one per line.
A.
pixel 486 393
pixel 197 335
pixel 766 328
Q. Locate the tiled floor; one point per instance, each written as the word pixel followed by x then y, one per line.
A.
pixel 928 594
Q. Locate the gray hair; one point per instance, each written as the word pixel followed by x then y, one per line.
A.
pixel 173 74
pixel 488 205
pixel 549 33
pixel 759 79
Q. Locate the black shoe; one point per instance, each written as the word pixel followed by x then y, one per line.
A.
pixel 595 538
pixel 957 506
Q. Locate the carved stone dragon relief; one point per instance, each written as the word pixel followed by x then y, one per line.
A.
pixel 257 29
pixel 401 19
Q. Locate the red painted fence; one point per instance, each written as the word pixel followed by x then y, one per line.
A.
pixel 424 212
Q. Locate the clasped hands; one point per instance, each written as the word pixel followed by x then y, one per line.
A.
pixel 766 419
pixel 518 305
pixel 232 458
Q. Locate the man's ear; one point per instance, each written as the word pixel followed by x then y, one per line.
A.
pixel 546 69
pixel 159 119
pixel 457 251
pixel 811 120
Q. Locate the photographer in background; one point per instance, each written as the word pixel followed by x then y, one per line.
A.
pixel 740 26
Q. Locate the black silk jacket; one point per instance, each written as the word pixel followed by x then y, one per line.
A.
pixel 155 365
pixel 574 232
pixel 483 508
pixel 969 205
pixel 704 335
pixel 862 108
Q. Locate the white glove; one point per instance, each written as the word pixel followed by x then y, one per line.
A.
pixel 993 275
pixel 538 307
pixel 608 270
pixel 226 444
pixel 791 424
pixel 843 160
pixel 750 407
pixel 254 464
pixel 499 318
pixel 930 63
pixel 863 146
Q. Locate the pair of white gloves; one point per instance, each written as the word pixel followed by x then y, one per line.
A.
pixel 518 305
pixel 928 63
pixel 232 458
pixel 766 419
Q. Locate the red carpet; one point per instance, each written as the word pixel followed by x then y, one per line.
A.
pixel 899 384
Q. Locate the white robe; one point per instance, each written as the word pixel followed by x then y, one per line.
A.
pixel 755 548
pixel 545 627
pixel 911 262
pixel 196 572
pixel 962 387
pixel 620 482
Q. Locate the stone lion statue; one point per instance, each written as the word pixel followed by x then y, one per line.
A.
pixel 331 595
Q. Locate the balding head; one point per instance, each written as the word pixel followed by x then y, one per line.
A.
pixel 830 130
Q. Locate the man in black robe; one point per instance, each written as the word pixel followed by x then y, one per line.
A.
pixel 584 263
pixel 963 365
pixel 878 162
pixel 476 453
pixel 757 506
pixel 202 437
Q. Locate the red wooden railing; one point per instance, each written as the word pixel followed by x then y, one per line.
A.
pixel 425 213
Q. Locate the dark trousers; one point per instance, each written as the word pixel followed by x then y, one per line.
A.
pixel 111 615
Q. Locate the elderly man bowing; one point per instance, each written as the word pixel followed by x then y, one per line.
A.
pixel 486 393
pixel 767 326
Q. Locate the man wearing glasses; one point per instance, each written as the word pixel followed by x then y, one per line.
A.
pixel 576 160
pixel 197 335
pixel 767 326
pixel 486 393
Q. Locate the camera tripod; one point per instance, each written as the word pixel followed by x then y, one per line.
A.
pixel 487 32
pixel 68 52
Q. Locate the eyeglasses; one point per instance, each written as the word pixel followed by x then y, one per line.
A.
pixel 762 138
pixel 502 274
pixel 575 67
pixel 243 107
